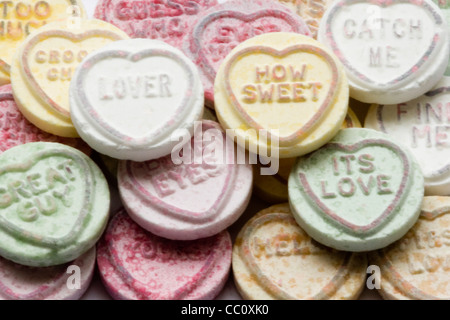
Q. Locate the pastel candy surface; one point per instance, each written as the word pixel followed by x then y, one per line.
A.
pixel 393 51
pixel 166 20
pixel 54 204
pixel 360 192
pixel 220 29
pixel 188 201
pixel 137 265
pixel 444 5
pixel 44 66
pixel 137 113
pixel 18 19
pixel 416 267
pixel 19 282
pixel 422 124
pixel 274 188
pixel 311 11
pixel 284 85
pixel 273 258
pixel 16 130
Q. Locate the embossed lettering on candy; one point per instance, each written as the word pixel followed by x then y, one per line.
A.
pixel 159 87
pixel 47 201
pixel 166 20
pixel 20 18
pixel 223 27
pixel 360 192
pixel 423 124
pixel 393 51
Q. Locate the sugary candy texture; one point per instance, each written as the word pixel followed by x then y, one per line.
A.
pixel 19 282
pixel 444 5
pixel 16 130
pixel 416 267
pixel 393 51
pixel 132 99
pixel 422 124
pixel 54 204
pixel 166 20
pixel 281 92
pixel 360 192
pixel 220 29
pixel 18 19
pixel 44 66
pixel 195 196
pixel 137 265
pixel 273 258
pixel 274 188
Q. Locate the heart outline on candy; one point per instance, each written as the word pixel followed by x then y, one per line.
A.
pixel 5 67
pixel 41 240
pixel 400 80
pixel 142 289
pixel 200 28
pixel 76 38
pixel 383 217
pixel 442 90
pixel 183 214
pixel 266 283
pixel 156 134
pixel 298 135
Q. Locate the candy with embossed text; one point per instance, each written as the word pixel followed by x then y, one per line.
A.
pixel 423 125
pixel 281 92
pixel 393 51
pixel 201 195
pixel 220 29
pixel 166 20
pixel 136 113
pixel 274 188
pixel 137 265
pixel 44 66
pixel 60 282
pixel 273 258
pixel 54 204
pixel 360 192
pixel 16 130
pixel 417 266
pixel 18 19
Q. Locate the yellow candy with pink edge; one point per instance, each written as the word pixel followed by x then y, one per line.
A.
pixel 20 18
pixel 44 65
pixel 285 86
pixel 274 188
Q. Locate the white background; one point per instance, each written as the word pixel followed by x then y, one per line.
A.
pixel 97 291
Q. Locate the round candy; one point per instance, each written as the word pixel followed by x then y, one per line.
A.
pixel 444 5
pixel 140 112
pixel 274 188
pixel 60 282
pixel 20 18
pixel 273 258
pixel 360 192
pixel 192 197
pixel 54 204
pixel 137 265
pixel 417 266
pixel 393 51
pixel 16 130
pixel 220 29
pixel 311 11
pixel 423 125
pixel 43 68
pixel 167 20
pixel 281 87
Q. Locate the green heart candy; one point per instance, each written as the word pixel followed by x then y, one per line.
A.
pixel 360 192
